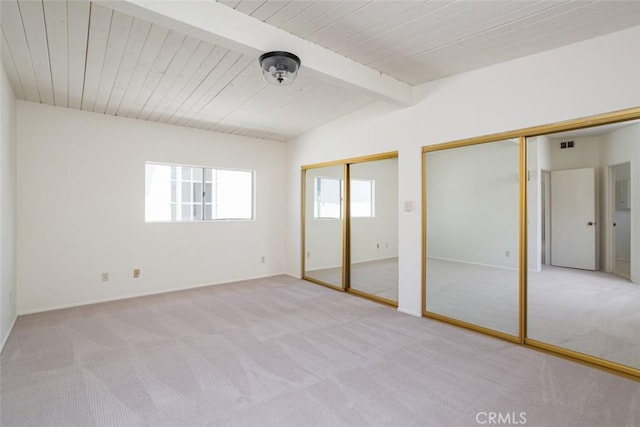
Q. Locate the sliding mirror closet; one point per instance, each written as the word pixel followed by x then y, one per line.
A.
pixel 472 225
pixel 534 236
pixel 350 226
pixel 584 241
pixel 323 220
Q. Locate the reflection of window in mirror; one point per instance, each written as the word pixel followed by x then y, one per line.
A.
pixel 362 198
pixel 328 198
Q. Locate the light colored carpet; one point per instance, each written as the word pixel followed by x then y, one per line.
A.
pixel 285 352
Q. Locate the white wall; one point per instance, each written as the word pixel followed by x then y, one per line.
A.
pixel 472 204
pixel 587 78
pixel 374 238
pixel 81 209
pixel 7 208
pixel 623 235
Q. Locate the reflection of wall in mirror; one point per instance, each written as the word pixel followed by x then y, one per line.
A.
pixel 472 204
pixel 622 175
pixel 600 152
pixel 374 238
pixel 323 237
pixel 623 147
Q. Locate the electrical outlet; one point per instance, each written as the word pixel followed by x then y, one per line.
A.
pixel 262 259
pixel 105 277
pixel 377 245
pixel 136 273
pixel 507 254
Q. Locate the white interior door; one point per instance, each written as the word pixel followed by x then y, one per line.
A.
pixel 573 218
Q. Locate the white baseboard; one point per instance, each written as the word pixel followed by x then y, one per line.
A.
pixel 410 312
pixel 142 294
pixel 6 337
pixel 473 263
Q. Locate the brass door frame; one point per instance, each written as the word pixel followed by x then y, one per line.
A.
pixel 346 223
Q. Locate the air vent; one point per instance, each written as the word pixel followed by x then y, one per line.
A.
pixel 566 144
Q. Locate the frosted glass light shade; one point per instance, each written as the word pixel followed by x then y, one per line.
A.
pixel 279 68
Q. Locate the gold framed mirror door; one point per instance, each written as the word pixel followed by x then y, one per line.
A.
pixel 471 223
pixel 373 228
pixel 359 198
pixel 578 222
pixel 324 224
pixel 583 284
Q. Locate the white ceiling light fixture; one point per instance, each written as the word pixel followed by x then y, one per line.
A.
pixel 279 68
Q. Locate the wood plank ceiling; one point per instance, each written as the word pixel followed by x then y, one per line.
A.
pixel 421 41
pixel 83 55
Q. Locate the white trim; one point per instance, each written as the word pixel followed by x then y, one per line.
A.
pixel 143 294
pixel 474 263
pixel 6 337
pixel 410 312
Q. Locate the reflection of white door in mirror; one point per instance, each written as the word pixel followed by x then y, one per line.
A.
pixel 573 222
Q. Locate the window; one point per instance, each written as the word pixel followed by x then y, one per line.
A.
pixel 328 198
pixel 185 193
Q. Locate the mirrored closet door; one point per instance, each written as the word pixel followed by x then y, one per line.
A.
pixel 373 229
pixel 350 226
pixel 584 242
pixel 472 235
pixel 323 207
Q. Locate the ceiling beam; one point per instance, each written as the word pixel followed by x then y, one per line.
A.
pixel 221 25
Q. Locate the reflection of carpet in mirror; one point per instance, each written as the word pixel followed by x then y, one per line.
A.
pixel 481 295
pixel 379 278
pixel 591 312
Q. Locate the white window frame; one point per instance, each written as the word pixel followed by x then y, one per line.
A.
pixel 203 202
